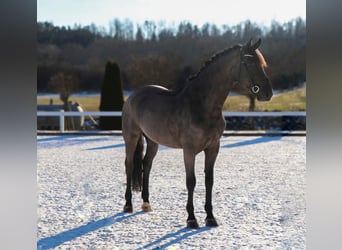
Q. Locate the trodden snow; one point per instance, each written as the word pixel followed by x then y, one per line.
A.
pixel 258 196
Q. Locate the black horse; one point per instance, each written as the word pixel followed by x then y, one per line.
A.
pixel 190 118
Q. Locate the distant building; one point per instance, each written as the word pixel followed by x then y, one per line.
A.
pixel 52 122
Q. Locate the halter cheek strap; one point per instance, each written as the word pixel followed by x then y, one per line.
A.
pixel 254 87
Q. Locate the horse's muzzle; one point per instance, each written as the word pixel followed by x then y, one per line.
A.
pixel 264 96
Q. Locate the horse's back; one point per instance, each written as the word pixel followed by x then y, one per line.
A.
pixel 151 98
pixel 151 110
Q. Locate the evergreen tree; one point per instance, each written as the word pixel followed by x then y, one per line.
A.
pixel 111 96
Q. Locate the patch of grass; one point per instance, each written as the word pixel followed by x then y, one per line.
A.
pixel 294 100
pixel 88 103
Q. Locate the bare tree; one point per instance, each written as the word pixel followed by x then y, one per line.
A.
pixel 152 69
pixel 65 85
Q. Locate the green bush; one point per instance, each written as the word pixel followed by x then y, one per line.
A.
pixel 111 96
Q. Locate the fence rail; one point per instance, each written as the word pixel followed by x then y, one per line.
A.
pixel 61 114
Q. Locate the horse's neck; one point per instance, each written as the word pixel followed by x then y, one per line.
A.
pixel 213 85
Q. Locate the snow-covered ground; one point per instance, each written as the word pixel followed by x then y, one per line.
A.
pixel 258 196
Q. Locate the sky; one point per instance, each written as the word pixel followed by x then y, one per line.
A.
pixel 219 12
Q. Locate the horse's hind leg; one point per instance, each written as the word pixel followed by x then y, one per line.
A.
pixel 151 152
pixel 133 144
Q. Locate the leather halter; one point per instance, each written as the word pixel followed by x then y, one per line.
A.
pixel 255 88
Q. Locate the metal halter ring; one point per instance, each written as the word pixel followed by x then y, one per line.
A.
pixel 255 89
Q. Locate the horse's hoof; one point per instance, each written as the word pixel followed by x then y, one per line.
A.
pixel 128 209
pixel 146 207
pixel 192 224
pixel 211 222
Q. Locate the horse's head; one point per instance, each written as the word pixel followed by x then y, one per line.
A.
pixel 252 75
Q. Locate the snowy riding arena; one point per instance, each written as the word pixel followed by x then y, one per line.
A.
pixel 258 195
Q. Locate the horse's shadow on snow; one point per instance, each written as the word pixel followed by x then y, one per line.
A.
pixel 120 145
pixel 262 139
pixel 56 240
pixel 174 237
pixel 171 238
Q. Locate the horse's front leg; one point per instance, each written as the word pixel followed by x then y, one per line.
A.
pixel 210 157
pixel 189 161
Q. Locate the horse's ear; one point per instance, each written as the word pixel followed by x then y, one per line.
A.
pixel 256 45
pixel 248 44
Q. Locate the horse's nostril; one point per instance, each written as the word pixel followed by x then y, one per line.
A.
pixel 269 95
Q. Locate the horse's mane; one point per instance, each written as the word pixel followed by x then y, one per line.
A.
pixel 263 62
pixel 211 60
pixel 217 55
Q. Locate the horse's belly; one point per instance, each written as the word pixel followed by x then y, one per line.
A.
pixel 162 138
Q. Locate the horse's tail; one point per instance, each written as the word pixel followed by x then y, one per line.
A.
pixel 138 165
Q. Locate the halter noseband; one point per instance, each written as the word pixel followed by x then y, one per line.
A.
pixel 254 87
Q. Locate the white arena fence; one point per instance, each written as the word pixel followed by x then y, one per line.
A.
pixel 61 114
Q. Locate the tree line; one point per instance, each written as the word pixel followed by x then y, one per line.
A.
pixel 157 53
